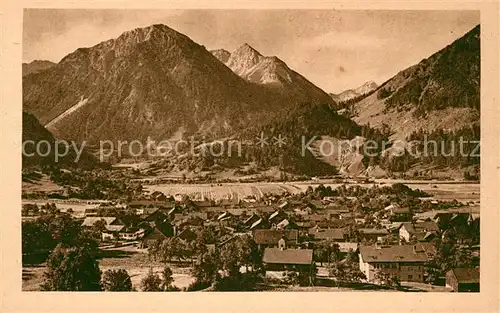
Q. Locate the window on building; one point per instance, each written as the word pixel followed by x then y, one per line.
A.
pixel 410 276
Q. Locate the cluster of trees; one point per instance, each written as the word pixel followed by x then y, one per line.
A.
pixel 47 231
pixel 77 269
pixel 397 192
pixel 346 271
pixel 297 125
pixel 33 209
pixel 85 183
pixel 73 268
pixel 218 266
pixel 376 198
pixel 72 262
pixel 342 267
pixel 459 148
pixel 449 255
pixel 155 282
pixel 221 268
pixel 92 185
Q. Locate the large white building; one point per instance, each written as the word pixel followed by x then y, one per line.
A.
pixel 406 262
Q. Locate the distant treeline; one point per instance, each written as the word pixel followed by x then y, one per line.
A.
pixel 439 148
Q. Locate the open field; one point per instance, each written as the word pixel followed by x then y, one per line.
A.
pixel 223 191
pixel 78 207
pixel 44 184
pixel 463 192
pixel 135 261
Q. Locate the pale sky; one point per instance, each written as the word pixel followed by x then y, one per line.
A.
pixel 336 50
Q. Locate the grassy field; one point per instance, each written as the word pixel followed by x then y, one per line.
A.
pixel 463 192
pixel 222 191
pixel 77 207
pixel 135 261
pixel 44 184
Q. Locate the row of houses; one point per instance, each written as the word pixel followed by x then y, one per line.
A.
pixel 287 232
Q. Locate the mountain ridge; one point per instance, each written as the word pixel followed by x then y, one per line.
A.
pixel 349 94
pixel 440 92
pixel 153 81
pixel 36 66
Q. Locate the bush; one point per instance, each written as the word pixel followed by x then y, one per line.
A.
pixel 383 93
pixel 116 280
pixel 152 282
pixel 72 269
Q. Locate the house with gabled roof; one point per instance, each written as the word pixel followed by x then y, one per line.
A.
pixel 259 224
pixel 204 204
pixel 463 279
pixel 406 262
pixel 284 205
pixel 372 234
pixel 277 217
pixel 268 238
pixel 420 231
pixel 250 220
pixel 333 234
pixel 187 235
pixel 89 221
pixel 299 260
pixel 285 224
pixel 399 214
pixel 158 233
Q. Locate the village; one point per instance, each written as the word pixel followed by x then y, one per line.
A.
pixel 346 238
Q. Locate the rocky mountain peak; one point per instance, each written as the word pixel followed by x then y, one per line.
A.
pixel 243 59
pixel 221 54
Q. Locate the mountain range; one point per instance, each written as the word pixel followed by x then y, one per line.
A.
pixel 442 92
pixel 157 83
pixel 36 66
pixel 354 93
pixel 270 71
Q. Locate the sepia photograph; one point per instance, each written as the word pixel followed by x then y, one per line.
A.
pixel 251 150
pixel 249 156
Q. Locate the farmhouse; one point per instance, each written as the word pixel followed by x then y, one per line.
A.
pixel 91 212
pixel 453 218
pixel 422 231
pixel 277 217
pixel 158 233
pixel 397 214
pixel 406 262
pixel 463 279
pixel 334 234
pixel 131 233
pixel 346 247
pixel 372 234
pixel 276 259
pixel 285 224
pixel 268 238
pixel 250 220
pixel 150 203
pixel 110 221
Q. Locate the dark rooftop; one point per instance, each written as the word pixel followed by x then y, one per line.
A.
pixel 272 236
pixel 466 275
